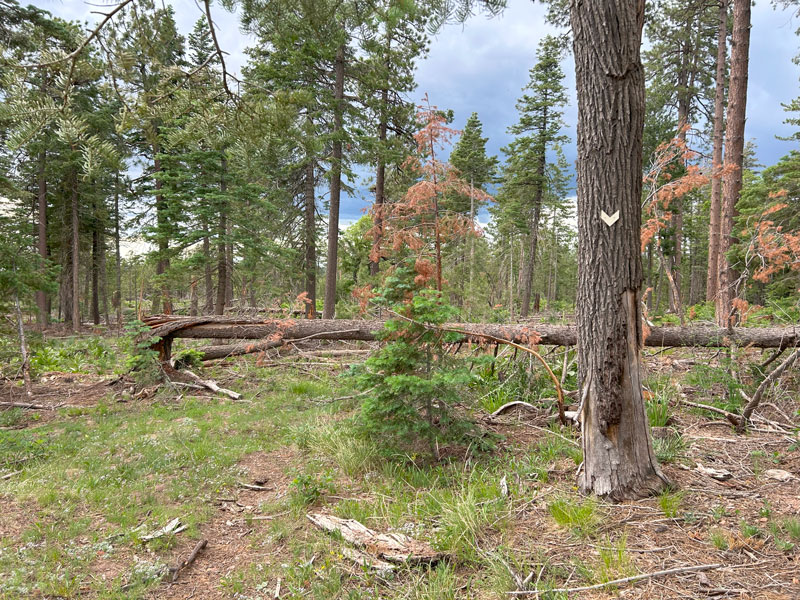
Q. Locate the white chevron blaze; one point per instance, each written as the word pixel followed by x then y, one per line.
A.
pixel 609 220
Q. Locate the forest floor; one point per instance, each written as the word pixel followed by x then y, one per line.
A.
pixel 82 486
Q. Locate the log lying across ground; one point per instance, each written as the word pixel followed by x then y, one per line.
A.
pixel 276 332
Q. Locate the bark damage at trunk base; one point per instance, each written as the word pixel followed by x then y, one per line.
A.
pixel 619 462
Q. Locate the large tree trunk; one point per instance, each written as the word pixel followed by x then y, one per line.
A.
pixel 619 461
pixel 278 330
pixel 310 228
pixel 734 155
pixel 712 278
pixel 41 242
pixel 329 309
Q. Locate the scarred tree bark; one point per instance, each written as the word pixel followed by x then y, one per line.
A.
pixel 619 462
pixel 734 155
pixel 712 278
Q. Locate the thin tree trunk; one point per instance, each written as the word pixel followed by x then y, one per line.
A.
pixel 715 216
pixel 41 295
pixel 533 240
pixel 229 263
pixel 162 301
pixel 193 302
pixel 65 261
pixel 222 254
pixel 511 279
pixel 104 276
pixel 95 274
pixel 208 282
pixel 619 461
pixel 380 185
pixel 117 253
pixel 734 155
pixel 76 308
pixel 310 235
pixel 329 309
pixel 471 239
pixel 23 348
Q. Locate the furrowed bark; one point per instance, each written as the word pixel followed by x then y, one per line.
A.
pixel 619 461
pixel 712 278
pixel 734 155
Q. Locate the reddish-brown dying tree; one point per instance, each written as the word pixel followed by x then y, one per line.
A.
pixel 419 223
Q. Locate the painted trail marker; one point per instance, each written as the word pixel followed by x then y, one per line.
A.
pixel 609 220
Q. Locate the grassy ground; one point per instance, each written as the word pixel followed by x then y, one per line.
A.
pixel 89 480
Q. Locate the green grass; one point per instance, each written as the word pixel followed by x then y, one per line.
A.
pixel 581 517
pixel 670 503
pixel 669 449
pixel 718 539
pixel 613 561
pixel 658 407
pixel 93 479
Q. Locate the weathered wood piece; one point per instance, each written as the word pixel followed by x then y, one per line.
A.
pixel 513 404
pixel 395 548
pixel 212 385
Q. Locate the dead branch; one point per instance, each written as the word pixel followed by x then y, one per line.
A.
pixel 75 53
pixel 220 53
pixel 768 381
pixel 676 571
pixel 732 417
pixel 392 547
pixel 176 570
pixel 25 405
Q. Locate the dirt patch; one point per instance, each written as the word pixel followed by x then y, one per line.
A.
pixel 53 391
pixel 235 532
pixel 14 518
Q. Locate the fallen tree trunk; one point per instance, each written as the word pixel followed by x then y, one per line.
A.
pixel 275 332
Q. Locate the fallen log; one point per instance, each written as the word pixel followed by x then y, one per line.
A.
pixel 276 332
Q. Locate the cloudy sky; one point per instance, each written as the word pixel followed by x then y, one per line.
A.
pixel 483 65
